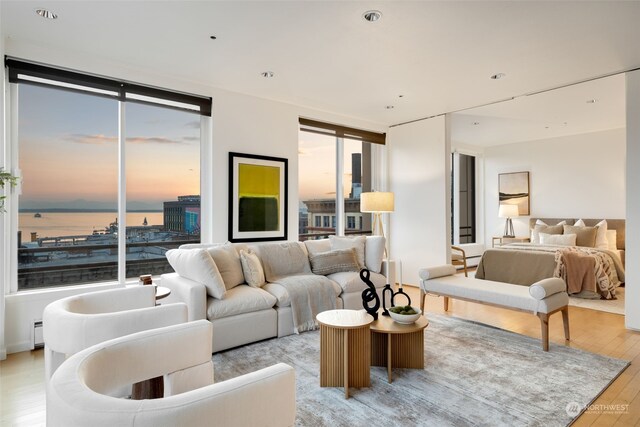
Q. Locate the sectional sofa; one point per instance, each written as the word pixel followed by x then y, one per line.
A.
pixel 241 313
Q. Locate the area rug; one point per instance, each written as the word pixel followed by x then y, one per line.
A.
pixel 474 375
pixel 615 306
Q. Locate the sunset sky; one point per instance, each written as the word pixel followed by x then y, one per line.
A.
pixel 68 151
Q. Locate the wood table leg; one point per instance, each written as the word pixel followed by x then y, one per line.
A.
pixel 565 322
pixel 346 363
pixel 389 363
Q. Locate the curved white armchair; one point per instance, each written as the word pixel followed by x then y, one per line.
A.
pixel 79 390
pixel 80 321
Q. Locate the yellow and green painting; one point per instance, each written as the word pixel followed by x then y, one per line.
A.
pixel 259 197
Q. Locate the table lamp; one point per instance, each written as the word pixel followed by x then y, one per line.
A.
pixel 508 212
pixel 377 203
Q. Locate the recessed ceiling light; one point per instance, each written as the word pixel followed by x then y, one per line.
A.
pixel 389 107
pixel 498 76
pixel 592 101
pixel 372 15
pixel 476 123
pixel 46 14
pixel 212 37
pixel 400 96
pixel 267 74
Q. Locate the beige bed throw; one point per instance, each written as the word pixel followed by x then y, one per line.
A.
pixel 579 271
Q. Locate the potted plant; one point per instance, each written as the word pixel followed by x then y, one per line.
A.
pixel 6 177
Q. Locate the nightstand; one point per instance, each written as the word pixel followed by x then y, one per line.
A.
pixel 504 240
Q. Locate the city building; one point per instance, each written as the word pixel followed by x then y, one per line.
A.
pixel 182 215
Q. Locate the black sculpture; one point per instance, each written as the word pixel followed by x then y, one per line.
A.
pixel 392 297
pixel 369 295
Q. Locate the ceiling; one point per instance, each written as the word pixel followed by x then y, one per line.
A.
pixel 438 55
pixel 560 112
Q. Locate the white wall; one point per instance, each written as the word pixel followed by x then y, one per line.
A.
pixel 241 123
pixel 573 176
pixel 632 309
pixel 419 162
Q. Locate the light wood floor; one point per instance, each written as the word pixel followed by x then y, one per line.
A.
pixel 22 400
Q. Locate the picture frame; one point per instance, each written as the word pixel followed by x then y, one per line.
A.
pixel 513 189
pixel 258 198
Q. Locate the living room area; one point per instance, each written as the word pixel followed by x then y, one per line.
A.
pixel 257 156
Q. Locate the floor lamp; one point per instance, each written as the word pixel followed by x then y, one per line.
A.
pixel 377 203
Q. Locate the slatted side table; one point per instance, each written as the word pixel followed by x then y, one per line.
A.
pixel 345 349
pixel 397 345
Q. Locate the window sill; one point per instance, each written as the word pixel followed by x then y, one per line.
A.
pixel 64 291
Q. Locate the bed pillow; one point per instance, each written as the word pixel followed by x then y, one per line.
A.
pixel 558 239
pixel 585 236
pixel 197 265
pixel 612 240
pixel 337 261
pixel 601 233
pixel 547 229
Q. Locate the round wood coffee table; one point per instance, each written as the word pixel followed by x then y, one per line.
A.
pixel 397 345
pixel 345 349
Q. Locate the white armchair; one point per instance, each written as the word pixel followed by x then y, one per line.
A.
pixel 80 321
pixel 79 390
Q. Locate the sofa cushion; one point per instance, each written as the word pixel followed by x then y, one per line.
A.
pixel 351 282
pixel 357 242
pixel 252 268
pixel 228 261
pixel 374 253
pixel 239 300
pixel 197 265
pixel 317 246
pixel 283 259
pixel 280 292
pixel 334 261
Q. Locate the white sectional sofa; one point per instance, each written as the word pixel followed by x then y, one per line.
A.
pixel 246 313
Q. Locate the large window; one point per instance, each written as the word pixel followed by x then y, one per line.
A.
pixel 94 206
pixel 334 164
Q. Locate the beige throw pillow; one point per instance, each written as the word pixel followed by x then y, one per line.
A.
pixel 585 236
pixel 197 265
pixel 558 239
pixel 336 261
pixel 228 262
pixel 547 229
pixel 601 233
pixel 357 243
pixel 252 268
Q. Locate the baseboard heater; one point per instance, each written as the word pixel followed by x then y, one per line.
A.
pixel 38 339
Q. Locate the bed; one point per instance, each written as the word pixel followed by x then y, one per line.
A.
pixel 527 263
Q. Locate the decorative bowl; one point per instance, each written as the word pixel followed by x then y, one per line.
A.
pixel 406 319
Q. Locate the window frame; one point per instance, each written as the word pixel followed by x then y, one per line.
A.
pixel 9 249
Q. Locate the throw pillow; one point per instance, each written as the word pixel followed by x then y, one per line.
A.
pixel 197 265
pixel 585 236
pixel 601 233
pixel 228 262
pixel 336 261
pixel 612 240
pixel 357 242
pixel 252 268
pixel 558 239
pixel 547 229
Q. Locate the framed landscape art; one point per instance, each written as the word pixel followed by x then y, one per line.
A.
pixel 257 198
pixel 513 189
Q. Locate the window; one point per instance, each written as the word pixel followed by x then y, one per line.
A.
pixel 326 221
pixel 334 160
pixel 318 221
pixel 69 223
pixel 463 199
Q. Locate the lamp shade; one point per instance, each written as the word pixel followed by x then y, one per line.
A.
pixel 508 211
pixel 377 201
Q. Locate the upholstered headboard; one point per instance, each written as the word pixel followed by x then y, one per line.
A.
pixel 612 224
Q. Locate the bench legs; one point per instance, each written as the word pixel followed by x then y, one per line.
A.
pixel 544 326
pixel 423 295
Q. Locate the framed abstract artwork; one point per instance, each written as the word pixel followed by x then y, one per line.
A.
pixel 257 198
pixel 513 189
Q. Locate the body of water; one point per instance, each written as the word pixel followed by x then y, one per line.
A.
pixel 55 224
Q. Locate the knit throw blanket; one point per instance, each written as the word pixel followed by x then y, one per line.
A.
pixel 310 294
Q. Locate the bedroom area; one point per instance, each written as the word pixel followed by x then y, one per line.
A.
pixel 538 190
